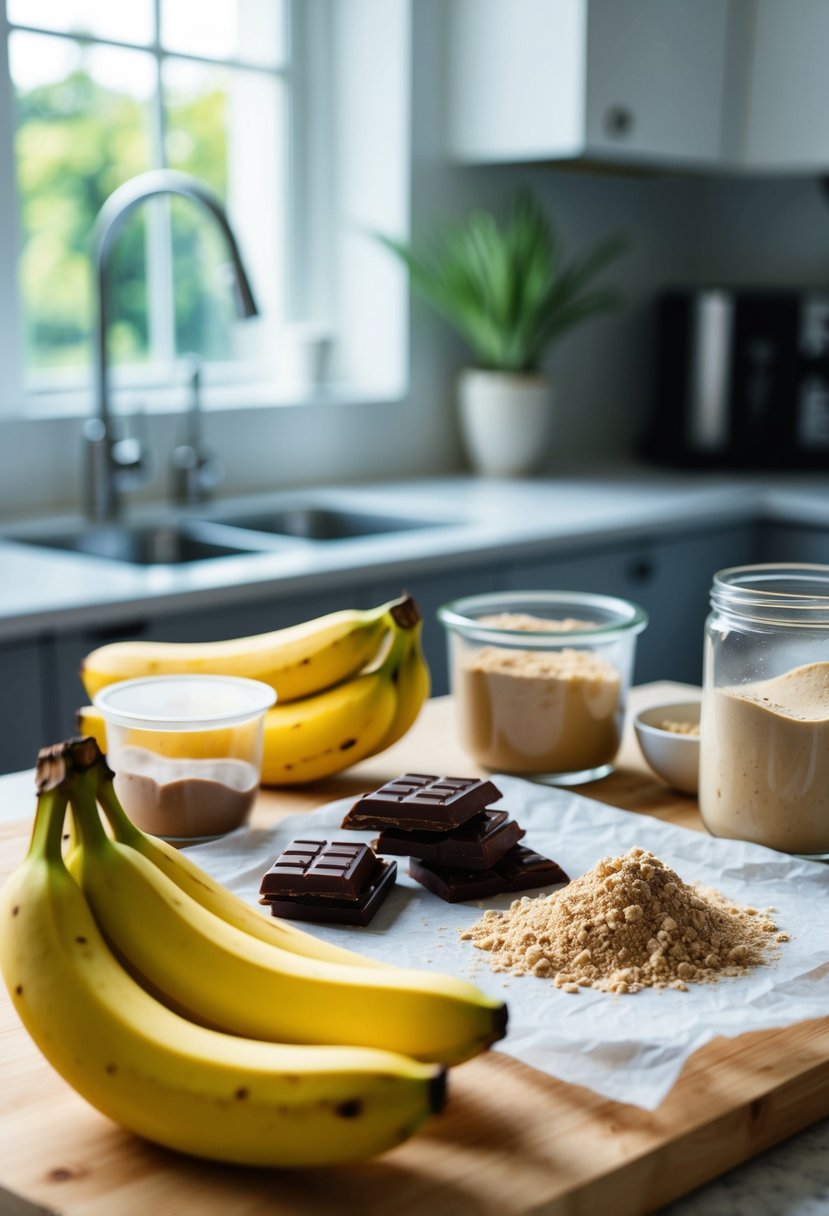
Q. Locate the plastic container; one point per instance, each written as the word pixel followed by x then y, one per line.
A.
pixel 764 764
pixel 186 751
pixel 540 680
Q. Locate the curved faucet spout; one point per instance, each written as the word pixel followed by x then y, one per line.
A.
pixel 105 470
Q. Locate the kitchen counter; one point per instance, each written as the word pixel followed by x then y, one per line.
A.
pixel 478 520
pixel 514 1141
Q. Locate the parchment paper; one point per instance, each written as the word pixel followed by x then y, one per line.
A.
pixel 630 1048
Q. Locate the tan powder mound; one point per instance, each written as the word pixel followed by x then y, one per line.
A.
pixel 524 621
pixel 627 924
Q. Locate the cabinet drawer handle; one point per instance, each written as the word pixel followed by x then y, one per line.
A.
pixel 618 121
pixel 642 570
pixel 117 631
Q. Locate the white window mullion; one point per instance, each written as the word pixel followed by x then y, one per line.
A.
pixel 11 328
pixel 160 275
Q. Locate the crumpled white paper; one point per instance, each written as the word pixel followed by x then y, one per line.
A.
pixel 630 1048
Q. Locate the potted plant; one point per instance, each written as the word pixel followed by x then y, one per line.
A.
pixel 510 293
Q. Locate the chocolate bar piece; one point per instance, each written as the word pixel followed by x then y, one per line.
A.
pixel 338 870
pixel 421 802
pixel 323 909
pixel 475 845
pixel 518 870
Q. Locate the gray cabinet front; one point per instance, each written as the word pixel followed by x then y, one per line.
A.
pixel 23 730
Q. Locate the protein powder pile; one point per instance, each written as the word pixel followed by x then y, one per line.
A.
pixel 627 924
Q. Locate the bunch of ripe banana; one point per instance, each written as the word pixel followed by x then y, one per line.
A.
pixel 349 684
pixel 193 1020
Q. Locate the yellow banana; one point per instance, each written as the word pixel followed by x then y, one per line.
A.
pixel 413 687
pixel 206 891
pixel 317 735
pixel 320 735
pixel 167 1079
pixel 213 973
pixel 297 661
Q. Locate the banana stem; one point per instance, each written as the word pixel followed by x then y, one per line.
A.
pixel 122 826
pixel 57 767
pixel 83 789
pixel 47 832
pixel 404 612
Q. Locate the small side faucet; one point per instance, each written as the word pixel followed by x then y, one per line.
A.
pixel 114 465
pixel 196 470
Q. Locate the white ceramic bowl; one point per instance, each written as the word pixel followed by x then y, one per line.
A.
pixel 673 756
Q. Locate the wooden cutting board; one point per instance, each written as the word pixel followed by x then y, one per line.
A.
pixel 512 1140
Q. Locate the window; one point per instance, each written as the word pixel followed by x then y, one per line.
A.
pixel 103 91
pixel 294 112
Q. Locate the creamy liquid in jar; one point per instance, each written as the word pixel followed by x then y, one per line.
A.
pixel 184 798
pixel 764 766
pixel 536 711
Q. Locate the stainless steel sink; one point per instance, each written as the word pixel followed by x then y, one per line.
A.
pixel 196 540
pixel 143 545
pixel 325 523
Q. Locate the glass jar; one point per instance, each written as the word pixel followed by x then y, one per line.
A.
pixel 540 680
pixel 764 762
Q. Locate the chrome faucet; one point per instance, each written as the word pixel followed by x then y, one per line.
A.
pixel 196 470
pixel 113 465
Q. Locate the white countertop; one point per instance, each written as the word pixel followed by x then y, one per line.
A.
pixel 481 519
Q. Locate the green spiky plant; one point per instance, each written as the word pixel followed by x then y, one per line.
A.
pixel 508 289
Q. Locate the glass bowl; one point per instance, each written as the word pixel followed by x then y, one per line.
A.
pixel 186 751
pixel 540 680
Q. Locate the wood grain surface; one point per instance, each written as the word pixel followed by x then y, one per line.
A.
pixel 512 1140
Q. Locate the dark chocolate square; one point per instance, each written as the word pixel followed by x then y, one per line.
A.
pixel 475 845
pixel 422 802
pixel 338 870
pixel 323 909
pixel 521 869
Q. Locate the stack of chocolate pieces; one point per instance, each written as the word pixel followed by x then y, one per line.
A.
pixel 459 848
pixel 334 882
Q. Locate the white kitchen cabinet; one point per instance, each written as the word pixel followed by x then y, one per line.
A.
pixel 670 578
pixel 637 81
pixel 710 84
pixel 779 55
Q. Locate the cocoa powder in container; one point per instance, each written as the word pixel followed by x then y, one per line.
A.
pixel 185 798
pixel 186 750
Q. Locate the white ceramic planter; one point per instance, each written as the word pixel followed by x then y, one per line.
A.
pixel 506 421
